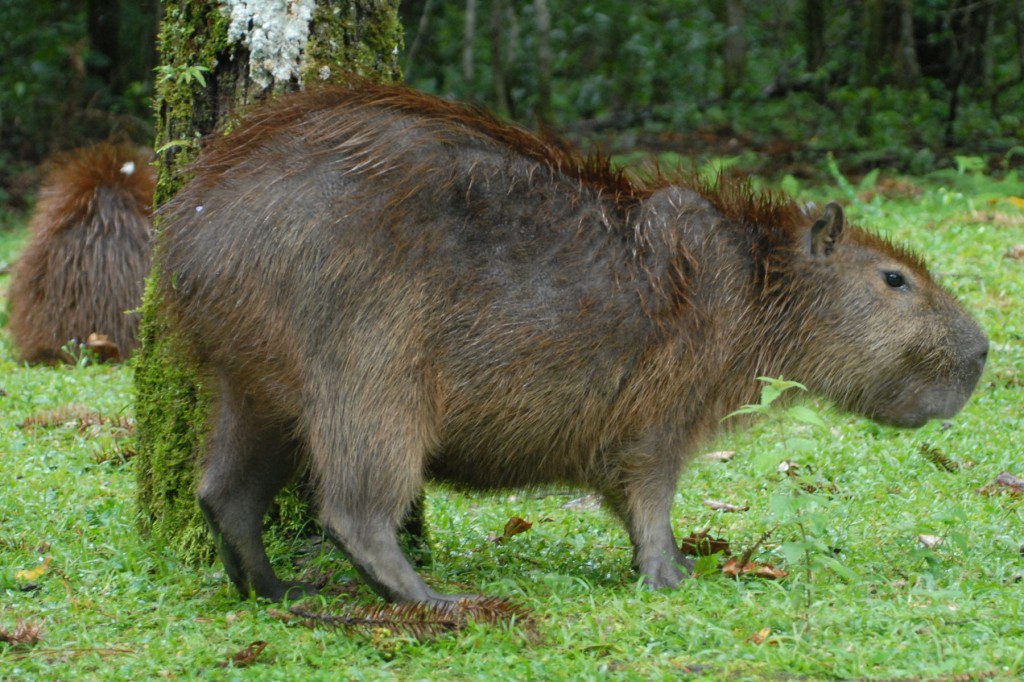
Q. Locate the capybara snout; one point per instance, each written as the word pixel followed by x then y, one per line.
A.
pixel 384 288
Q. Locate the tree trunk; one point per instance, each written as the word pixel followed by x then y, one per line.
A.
pixel 501 103
pixel 910 70
pixel 814 33
pixel 468 39
pixel 103 24
pixel 421 31
pixel 207 73
pixel 543 15
pixel 734 46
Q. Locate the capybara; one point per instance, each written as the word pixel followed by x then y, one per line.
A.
pixel 84 267
pixel 386 288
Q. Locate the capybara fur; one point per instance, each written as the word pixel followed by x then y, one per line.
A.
pixel 385 288
pixel 84 267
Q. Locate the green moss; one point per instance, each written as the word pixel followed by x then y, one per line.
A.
pixel 170 412
pixel 172 406
pixel 363 37
pixel 192 39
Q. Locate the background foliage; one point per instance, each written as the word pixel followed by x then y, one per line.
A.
pixel 885 82
pixel 773 85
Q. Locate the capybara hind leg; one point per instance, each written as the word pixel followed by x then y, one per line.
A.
pixel 247 465
pixel 372 545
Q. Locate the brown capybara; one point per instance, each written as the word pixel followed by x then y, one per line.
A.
pixel 87 257
pixel 386 288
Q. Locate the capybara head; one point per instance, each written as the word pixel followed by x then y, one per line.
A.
pixel 873 331
pixel 83 269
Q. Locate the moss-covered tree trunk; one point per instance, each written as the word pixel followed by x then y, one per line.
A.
pixel 218 59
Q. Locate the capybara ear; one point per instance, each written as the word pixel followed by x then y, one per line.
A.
pixel 826 230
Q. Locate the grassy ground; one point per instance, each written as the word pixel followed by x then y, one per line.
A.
pixel 865 598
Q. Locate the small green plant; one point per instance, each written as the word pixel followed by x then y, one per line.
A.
pixel 772 390
pixel 80 354
pixel 801 499
pixel 183 75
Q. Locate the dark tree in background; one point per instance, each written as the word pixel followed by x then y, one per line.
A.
pixel 71 73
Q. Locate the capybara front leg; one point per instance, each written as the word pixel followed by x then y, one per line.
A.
pixel 644 503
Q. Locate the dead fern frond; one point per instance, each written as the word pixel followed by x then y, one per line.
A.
pixel 419 621
pixel 80 417
pixel 64 415
pixel 938 458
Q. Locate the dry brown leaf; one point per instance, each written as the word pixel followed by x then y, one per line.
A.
pixel 25 633
pixel 103 347
pixel 246 656
pixel 734 569
pixel 761 636
pixel 720 455
pixel 515 526
pixel 725 506
pixel 995 218
pixel 891 188
pixel 1004 483
pixel 1016 252
pixel 789 468
pixel 701 544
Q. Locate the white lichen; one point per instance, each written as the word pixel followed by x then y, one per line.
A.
pixel 275 33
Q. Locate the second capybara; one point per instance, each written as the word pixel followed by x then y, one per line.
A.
pixel 385 288
pixel 83 270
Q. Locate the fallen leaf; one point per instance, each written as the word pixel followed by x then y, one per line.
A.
pixel 701 544
pixel 1016 252
pixel 1004 482
pixel 734 569
pixel 1016 201
pixel 891 188
pixel 24 633
pixel 929 541
pixel 995 218
pixel 515 526
pixel 104 348
pixel 720 455
pixel 788 468
pixel 761 636
pixel 725 506
pixel 246 656
pixel 36 573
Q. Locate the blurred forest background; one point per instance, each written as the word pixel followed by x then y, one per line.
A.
pixel 770 85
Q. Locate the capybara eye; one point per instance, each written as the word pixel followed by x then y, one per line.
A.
pixel 894 279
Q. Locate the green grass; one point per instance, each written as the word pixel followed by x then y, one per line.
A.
pixel 864 599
